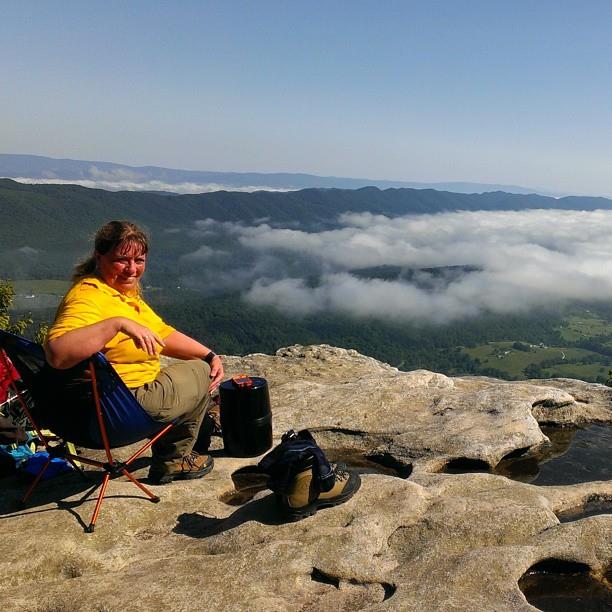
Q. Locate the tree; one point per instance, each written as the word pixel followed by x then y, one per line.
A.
pixel 533 370
pixel 521 346
pixel 7 294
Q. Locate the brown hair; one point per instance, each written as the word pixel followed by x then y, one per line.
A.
pixel 108 237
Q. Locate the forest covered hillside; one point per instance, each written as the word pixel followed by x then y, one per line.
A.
pixel 59 220
pixel 49 227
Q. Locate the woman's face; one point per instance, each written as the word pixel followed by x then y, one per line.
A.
pixel 122 267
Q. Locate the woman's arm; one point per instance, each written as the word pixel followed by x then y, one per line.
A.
pixel 182 346
pixel 70 348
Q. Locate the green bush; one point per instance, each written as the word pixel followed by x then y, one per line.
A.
pixel 7 295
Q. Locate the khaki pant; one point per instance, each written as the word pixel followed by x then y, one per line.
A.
pixel 180 391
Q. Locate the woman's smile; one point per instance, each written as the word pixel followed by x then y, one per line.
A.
pixel 122 267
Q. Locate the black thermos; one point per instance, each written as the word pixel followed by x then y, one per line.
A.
pixel 246 418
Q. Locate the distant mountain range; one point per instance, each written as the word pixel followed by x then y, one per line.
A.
pixel 118 177
pixel 46 227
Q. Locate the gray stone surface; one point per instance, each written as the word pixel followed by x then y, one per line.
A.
pixel 433 542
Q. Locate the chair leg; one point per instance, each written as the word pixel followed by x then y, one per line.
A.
pixel 76 466
pixel 154 498
pixel 94 517
pixel 149 444
pixel 31 488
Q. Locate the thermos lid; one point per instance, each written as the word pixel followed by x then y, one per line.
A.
pixel 242 381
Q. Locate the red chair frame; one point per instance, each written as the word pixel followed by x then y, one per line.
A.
pixel 111 467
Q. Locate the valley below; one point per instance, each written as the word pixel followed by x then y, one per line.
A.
pixel 573 342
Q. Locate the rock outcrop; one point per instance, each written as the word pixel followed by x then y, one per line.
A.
pixel 434 541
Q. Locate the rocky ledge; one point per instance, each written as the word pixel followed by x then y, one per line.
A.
pixel 432 541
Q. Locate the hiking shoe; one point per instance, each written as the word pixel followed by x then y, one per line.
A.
pixel 191 466
pixel 304 499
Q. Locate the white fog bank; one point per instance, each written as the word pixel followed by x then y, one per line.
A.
pixel 518 261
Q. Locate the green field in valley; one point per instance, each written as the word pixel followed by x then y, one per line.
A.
pixel 512 362
pixel 36 297
pixel 502 356
pixel 581 371
pixel 577 326
pixel 583 350
pixel 48 286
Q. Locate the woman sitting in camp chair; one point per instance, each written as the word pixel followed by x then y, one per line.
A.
pixel 104 311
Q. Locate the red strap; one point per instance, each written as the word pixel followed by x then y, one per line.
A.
pixel 7 375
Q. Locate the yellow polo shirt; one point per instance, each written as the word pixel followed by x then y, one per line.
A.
pixel 91 300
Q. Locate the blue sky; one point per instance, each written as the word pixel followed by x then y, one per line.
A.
pixel 487 91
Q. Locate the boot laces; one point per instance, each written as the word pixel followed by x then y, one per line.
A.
pixel 341 475
pixel 214 417
pixel 191 459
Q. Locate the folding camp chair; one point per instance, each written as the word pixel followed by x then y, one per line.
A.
pixel 107 415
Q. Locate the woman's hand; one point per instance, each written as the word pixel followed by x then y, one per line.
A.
pixel 143 337
pixel 216 373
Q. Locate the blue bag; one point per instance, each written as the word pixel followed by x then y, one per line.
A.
pixel 13 455
pixel 32 466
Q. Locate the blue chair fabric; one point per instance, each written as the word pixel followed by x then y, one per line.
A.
pixel 63 399
pixel 88 405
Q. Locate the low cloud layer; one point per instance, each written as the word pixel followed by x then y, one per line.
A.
pixel 133 184
pixel 515 261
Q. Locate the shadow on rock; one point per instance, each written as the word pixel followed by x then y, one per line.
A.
pixel 58 491
pixel 264 511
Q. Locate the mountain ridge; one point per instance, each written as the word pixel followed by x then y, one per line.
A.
pixel 59 220
pixel 111 175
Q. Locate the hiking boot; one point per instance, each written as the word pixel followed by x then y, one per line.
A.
pixel 304 498
pixel 191 466
pixel 250 479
